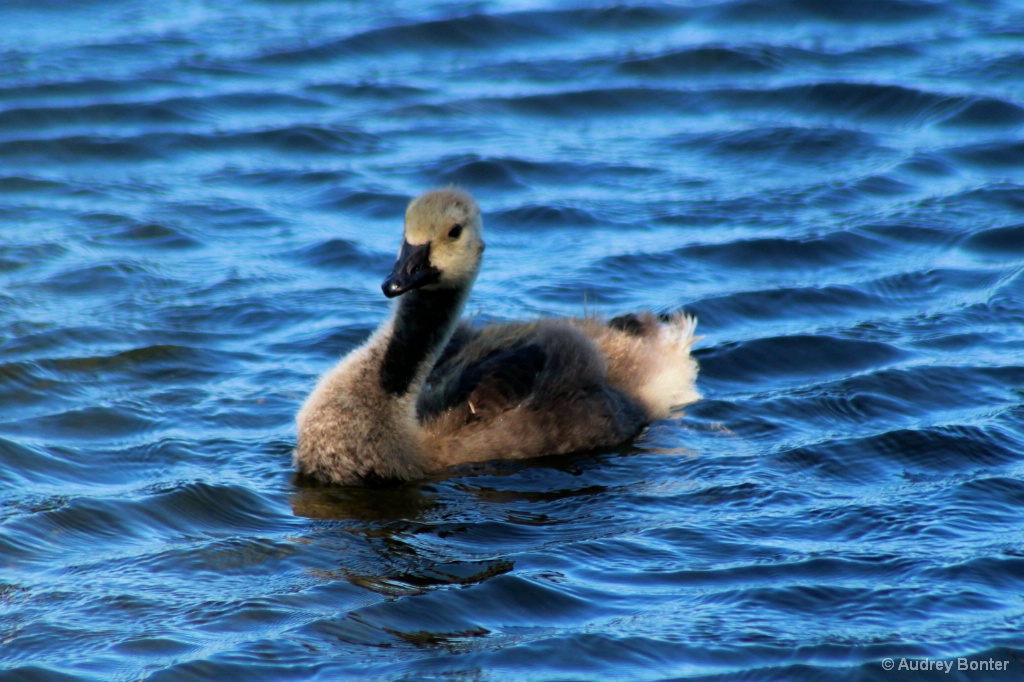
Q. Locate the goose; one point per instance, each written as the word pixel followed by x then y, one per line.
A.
pixel 427 391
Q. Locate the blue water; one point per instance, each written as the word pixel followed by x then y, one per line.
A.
pixel 199 199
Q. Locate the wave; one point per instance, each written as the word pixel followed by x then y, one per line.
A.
pixel 702 61
pixel 478 32
pixel 298 141
pixel 876 12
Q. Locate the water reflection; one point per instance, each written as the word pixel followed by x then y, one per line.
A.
pixel 421 550
pixel 385 502
pixel 487 481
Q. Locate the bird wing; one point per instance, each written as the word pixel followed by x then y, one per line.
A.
pixel 481 380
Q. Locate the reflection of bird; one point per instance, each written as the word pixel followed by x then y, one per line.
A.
pixel 425 392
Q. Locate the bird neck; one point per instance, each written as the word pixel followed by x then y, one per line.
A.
pixel 423 322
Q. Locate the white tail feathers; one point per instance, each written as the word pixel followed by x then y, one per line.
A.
pixel 673 383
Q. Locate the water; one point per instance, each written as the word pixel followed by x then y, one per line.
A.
pixel 198 201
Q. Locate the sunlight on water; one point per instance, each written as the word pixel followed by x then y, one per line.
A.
pixel 199 201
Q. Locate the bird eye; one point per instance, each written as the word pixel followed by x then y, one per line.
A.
pixel 455 232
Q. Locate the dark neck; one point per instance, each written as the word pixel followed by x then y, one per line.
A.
pixel 424 322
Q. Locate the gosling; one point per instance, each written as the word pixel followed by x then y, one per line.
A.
pixel 426 392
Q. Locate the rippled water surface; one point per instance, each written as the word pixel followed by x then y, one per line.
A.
pixel 198 201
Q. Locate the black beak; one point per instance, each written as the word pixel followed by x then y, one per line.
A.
pixel 412 270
